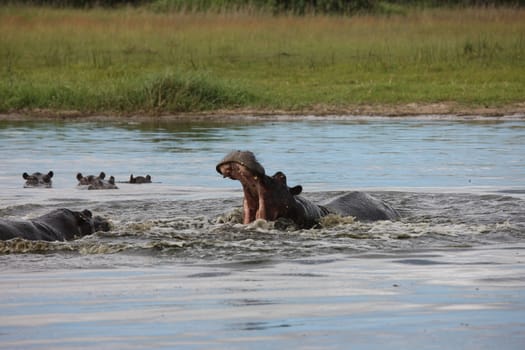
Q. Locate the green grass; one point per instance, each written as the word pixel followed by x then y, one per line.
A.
pixel 138 61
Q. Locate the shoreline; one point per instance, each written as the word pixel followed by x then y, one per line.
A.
pixel 442 110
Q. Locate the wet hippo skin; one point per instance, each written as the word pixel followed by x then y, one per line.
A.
pixel 269 197
pixel 57 225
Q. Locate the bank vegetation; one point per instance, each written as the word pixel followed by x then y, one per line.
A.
pixel 153 60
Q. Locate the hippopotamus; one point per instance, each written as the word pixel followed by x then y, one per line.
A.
pixel 38 180
pixel 139 179
pixel 96 182
pixel 90 179
pixel 57 225
pixel 269 197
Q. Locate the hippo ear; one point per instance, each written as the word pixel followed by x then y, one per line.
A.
pixel 79 176
pixel 296 190
pixel 47 177
pixel 82 216
pixel 279 176
pixel 25 175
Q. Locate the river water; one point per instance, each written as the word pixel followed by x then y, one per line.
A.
pixel 178 271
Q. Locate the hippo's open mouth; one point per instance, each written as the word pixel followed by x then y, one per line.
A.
pixel 244 167
pixel 246 159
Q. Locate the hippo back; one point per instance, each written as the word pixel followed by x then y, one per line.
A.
pixel 22 229
pixel 307 213
pixel 57 225
pixel 362 206
pixel 66 224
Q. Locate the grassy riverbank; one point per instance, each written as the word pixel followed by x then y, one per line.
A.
pixel 137 61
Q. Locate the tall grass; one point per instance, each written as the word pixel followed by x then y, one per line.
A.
pixel 134 60
pixel 297 7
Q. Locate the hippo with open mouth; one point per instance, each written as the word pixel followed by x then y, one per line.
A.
pixel 96 182
pixel 38 180
pixel 269 197
pixel 57 225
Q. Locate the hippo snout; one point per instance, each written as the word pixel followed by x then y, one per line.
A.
pixel 225 170
pixel 245 158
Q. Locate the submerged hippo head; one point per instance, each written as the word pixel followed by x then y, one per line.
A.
pixel 88 224
pixel 96 182
pixel 84 222
pixel 38 179
pixel 103 184
pixel 139 179
pixel 265 197
pixel 101 224
pixel 90 179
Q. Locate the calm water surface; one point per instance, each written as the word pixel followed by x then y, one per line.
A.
pixel 178 271
pixel 339 154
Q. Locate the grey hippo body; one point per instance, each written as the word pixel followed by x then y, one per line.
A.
pixel 38 180
pixel 58 225
pixel 269 197
pixel 97 182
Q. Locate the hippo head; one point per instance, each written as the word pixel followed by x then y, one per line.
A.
pixel 97 182
pixel 84 222
pixel 139 179
pixel 38 179
pixel 90 179
pixel 277 198
pixel 87 224
pixel 101 224
pixel 281 179
pixel 265 197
